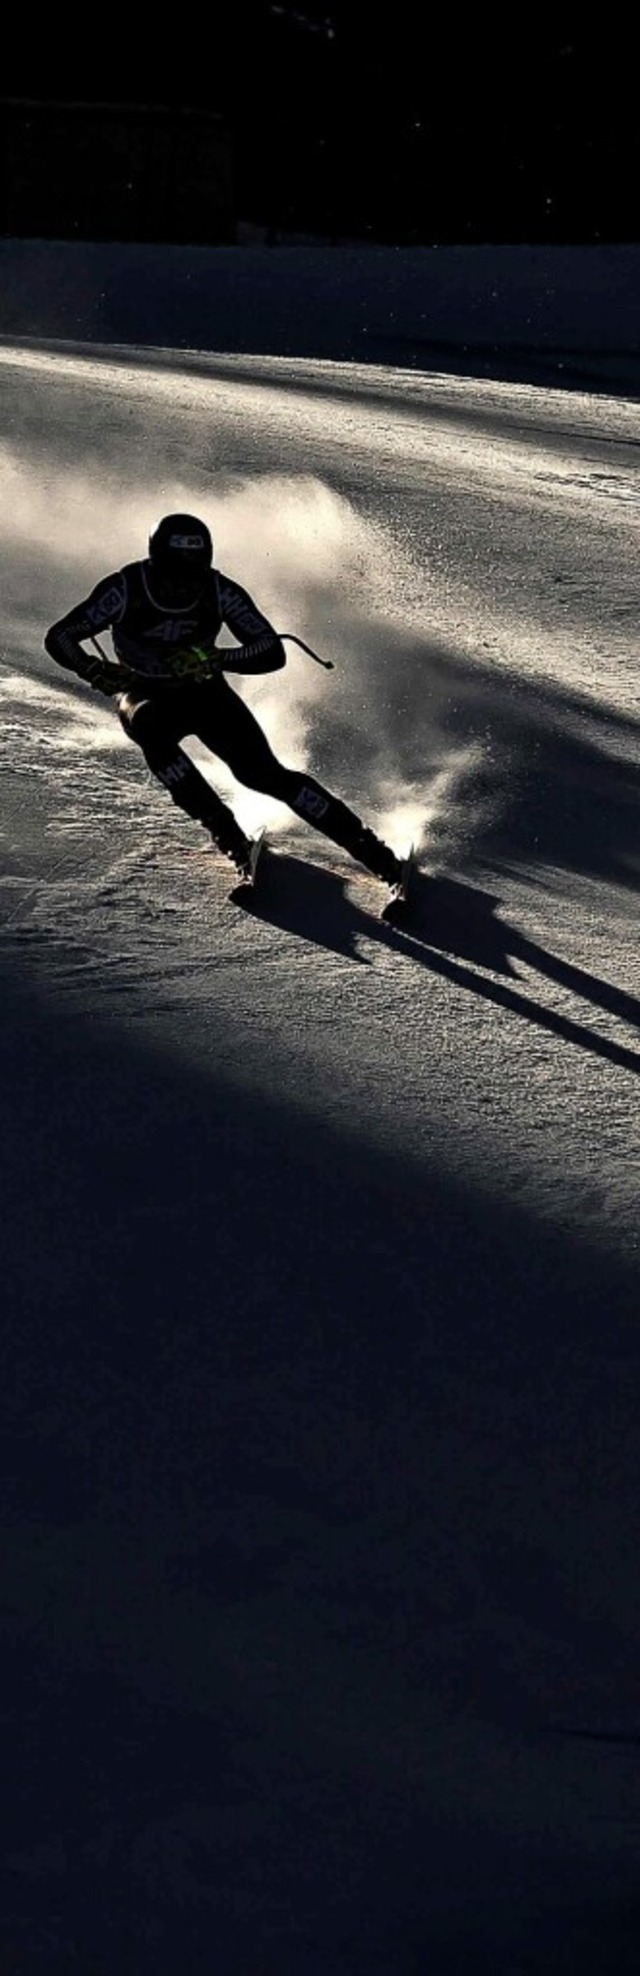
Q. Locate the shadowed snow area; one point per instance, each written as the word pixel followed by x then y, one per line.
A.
pixel 320 1233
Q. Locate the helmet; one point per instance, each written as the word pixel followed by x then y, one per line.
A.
pixel 181 550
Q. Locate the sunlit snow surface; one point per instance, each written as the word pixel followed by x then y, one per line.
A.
pixel 320 1234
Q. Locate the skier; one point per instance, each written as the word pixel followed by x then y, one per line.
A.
pixel 164 615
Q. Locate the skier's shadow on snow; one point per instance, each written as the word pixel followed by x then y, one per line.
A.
pixel 451 929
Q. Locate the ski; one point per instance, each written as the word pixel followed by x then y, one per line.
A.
pixel 257 847
pixel 247 879
pixel 399 895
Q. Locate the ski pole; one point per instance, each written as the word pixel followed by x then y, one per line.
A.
pixel 290 638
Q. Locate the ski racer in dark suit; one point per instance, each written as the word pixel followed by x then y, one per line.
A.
pixel 164 616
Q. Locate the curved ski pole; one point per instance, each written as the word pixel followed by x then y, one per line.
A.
pixel 289 638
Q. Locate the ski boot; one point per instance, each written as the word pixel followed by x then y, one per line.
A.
pixel 377 857
pixel 235 845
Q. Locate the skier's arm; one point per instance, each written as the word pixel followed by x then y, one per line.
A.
pixel 64 641
pixel 260 649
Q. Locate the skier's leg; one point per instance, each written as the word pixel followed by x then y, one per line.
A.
pixel 227 725
pixel 157 727
pixel 334 819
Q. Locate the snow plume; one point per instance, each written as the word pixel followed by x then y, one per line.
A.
pixel 295 541
pixel 310 560
pixel 65 722
pixel 319 567
pixel 297 546
pixel 429 817
pixel 377 731
pixel 73 519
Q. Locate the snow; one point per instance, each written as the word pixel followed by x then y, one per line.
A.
pixel 320 1236
pixel 541 310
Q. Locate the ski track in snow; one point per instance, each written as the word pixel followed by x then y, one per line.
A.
pixel 345 1366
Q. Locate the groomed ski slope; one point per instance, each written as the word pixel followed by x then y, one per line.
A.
pixel 320 1236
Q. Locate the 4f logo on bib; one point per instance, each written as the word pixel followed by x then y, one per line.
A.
pixel 173 630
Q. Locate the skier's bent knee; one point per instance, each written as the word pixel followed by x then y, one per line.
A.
pixel 139 719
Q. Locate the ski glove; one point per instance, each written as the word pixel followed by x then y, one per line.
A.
pixel 105 677
pixel 210 667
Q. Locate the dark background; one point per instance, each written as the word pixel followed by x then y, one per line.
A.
pixel 349 123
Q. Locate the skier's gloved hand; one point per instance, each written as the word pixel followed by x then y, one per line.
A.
pixel 105 677
pixel 211 667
